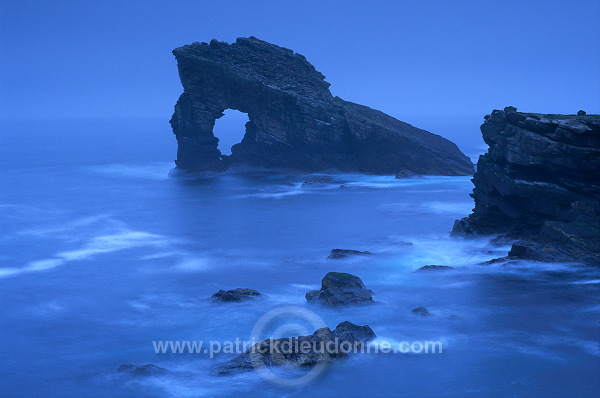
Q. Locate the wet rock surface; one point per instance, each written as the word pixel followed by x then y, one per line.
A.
pixel 539 182
pixel 323 346
pixel 294 120
pixel 235 295
pixel 340 289
pixel 344 253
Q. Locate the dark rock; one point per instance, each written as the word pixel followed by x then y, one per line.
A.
pixel 494 261
pixel 235 295
pixel 539 182
pixel 561 241
pixel 318 181
pixel 141 370
pixel 295 121
pixel 347 331
pixel 581 113
pixel 435 268
pixel 340 289
pixel 343 253
pixel 322 346
pixel 421 311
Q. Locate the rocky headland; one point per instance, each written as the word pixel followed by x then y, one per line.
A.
pixel 294 120
pixel 539 183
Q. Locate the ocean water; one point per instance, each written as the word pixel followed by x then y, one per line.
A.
pixel 102 253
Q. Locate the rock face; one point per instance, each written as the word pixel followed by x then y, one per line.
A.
pixel 340 289
pixel 294 121
pixel 322 346
pixel 539 181
pixel 235 295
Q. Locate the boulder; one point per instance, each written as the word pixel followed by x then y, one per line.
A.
pixel 340 289
pixel 323 346
pixel 235 295
pixel 344 253
pixel 294 120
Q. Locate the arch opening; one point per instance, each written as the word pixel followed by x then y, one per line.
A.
pixel 230 129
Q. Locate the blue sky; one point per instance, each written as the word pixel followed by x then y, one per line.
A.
pixel 416 60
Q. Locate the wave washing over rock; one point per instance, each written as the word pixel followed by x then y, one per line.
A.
pixel 294 120
pixel 539 182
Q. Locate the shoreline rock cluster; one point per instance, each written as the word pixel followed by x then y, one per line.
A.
pixel 539 184
pixel 338 289
pixel 323 346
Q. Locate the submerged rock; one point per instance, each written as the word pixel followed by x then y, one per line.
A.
pixel 435 268
pixel 539 182
pixel 322 346
pixel 294 120
pixel 235 295
pixel 494 261
pixel 316 181
pixel 141 370
pixel 343 253
pixel 340 289
pixel 421 311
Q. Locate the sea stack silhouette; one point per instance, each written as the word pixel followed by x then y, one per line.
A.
pixel 294 120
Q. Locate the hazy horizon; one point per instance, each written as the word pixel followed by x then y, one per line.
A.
pixel 72 59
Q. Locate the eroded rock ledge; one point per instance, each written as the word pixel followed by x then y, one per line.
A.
pixel 294 121
pixel 539 182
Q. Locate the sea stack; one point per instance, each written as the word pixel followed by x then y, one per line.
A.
pixel 294 120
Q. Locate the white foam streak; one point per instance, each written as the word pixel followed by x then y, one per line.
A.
pixel 121 240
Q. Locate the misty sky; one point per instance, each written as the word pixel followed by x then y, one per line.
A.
pixel 420 61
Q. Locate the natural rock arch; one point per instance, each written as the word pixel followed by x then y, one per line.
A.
pixel 230 130
pixel 294 121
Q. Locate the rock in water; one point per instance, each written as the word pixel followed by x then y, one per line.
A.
pixel 239 294
pixel 294 121
pixel 319 181
pixel 343 253
pixel 539 181
pixel 340 289
pixel 322 346
pixel 435 268
pixel 421 311
pixel 142 370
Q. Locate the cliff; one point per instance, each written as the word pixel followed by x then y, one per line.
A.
pixel 294 121
pixel 539 181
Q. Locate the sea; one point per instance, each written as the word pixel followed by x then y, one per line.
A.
pixel 104 251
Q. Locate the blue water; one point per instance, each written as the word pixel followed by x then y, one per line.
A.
pixel 101 253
